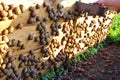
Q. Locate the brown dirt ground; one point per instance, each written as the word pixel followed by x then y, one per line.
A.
pixel 105 65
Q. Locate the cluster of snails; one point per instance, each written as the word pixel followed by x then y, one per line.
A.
pixel 8 12
pixel 78 32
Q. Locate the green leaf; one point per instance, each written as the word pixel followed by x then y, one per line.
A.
pixel 114 33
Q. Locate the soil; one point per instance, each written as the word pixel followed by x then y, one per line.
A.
pixel 105 65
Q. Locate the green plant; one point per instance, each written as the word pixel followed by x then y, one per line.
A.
pixel 114 34
pixel 47 76
pixel 83 56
